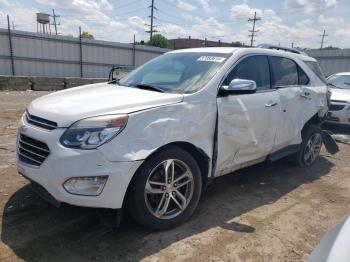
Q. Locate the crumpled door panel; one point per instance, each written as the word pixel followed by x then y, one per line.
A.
pixel 246 128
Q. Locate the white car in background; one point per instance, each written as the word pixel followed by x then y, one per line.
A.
pixel 153 140
pixel 339 111
pixel 334 246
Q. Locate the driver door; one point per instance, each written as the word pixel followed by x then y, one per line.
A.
pixel 247 123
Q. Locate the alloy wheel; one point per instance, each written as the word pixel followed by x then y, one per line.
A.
pixel 312 149
pixel 169 189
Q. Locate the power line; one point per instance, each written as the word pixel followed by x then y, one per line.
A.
pixel 54 20
pixel 252 35
pixel 323 36
pixel 151 26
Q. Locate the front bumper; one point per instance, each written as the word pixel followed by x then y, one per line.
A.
pixel 64 163
pixel 340 116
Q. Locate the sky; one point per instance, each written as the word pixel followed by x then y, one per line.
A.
pixel 282 22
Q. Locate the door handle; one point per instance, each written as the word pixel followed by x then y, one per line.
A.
pixel 271 104
pixel 305 95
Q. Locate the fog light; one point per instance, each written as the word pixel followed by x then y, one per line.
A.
pixel 86 186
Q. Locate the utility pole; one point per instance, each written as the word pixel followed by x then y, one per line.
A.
pixel 54 20
pixel 10 45
pixel 151 26
pixel 80 53
pixel 323 36
pixel 252 35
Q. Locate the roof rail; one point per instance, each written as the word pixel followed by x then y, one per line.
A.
pixel 277 47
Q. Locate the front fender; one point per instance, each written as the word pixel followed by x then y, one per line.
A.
pixel 191 121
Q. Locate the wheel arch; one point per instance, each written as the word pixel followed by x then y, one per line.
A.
pixel 202 159
pixel 314 120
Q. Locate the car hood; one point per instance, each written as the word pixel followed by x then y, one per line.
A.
pixel 340 94
pixel 67 106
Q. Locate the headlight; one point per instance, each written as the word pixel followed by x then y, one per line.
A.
pixel 91 133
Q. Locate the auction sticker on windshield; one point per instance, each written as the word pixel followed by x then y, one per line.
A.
pixel 216 59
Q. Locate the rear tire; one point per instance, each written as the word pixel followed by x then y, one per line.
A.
pixel 310 147
pixel 165 190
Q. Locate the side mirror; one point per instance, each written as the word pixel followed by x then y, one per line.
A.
pixel 239 86
pixel 114 74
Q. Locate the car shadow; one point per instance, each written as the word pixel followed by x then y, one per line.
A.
pixel 35 231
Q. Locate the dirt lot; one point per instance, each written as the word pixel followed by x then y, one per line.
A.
pixel 265 213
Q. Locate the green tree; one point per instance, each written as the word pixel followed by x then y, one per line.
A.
pixel 159 41
pixel 331 48
pixel 237 44
pixel 87 35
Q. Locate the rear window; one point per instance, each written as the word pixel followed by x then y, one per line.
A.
pixel 285 72
pixel 315 67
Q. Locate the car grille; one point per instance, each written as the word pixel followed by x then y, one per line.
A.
pixel 40 122
pixel 32 151
pixel 335 107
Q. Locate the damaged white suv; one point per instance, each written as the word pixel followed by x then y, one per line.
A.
pixel 154 139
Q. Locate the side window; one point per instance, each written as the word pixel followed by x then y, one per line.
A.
pixel 303 78
pixel 285 72
pixel 315 67
pixel 252 68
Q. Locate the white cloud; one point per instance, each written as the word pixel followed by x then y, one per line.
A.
pixel 341 35
pixel 5 2
pixel 330 20
pixel 185 6
pixel 208 8
pixel 80 6
pixel 244 11
pixel 310 5
pixel 272 28
pixel 200 28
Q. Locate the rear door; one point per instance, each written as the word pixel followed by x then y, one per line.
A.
pixel 247 123
pixel 287 79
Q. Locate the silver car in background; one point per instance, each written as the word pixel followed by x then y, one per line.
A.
pixel 339 111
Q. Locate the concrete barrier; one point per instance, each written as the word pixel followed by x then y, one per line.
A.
pixel 48 83
pixel 75 81
pixel 18 83
pixel 22 83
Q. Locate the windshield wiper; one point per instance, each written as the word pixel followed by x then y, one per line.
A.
pixel 150 87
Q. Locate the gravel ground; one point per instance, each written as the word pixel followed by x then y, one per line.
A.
pixel 269 212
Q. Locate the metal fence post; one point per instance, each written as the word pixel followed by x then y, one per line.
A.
pixel 134 52
pixel 81 53
pixel 10 44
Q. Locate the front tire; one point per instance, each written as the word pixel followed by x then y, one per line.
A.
pixel 165 190
pixel 310 147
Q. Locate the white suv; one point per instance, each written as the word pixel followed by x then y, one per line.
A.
pixel 154 139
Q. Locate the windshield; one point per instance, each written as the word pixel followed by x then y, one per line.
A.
pixel 339 81
pixel 177 72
